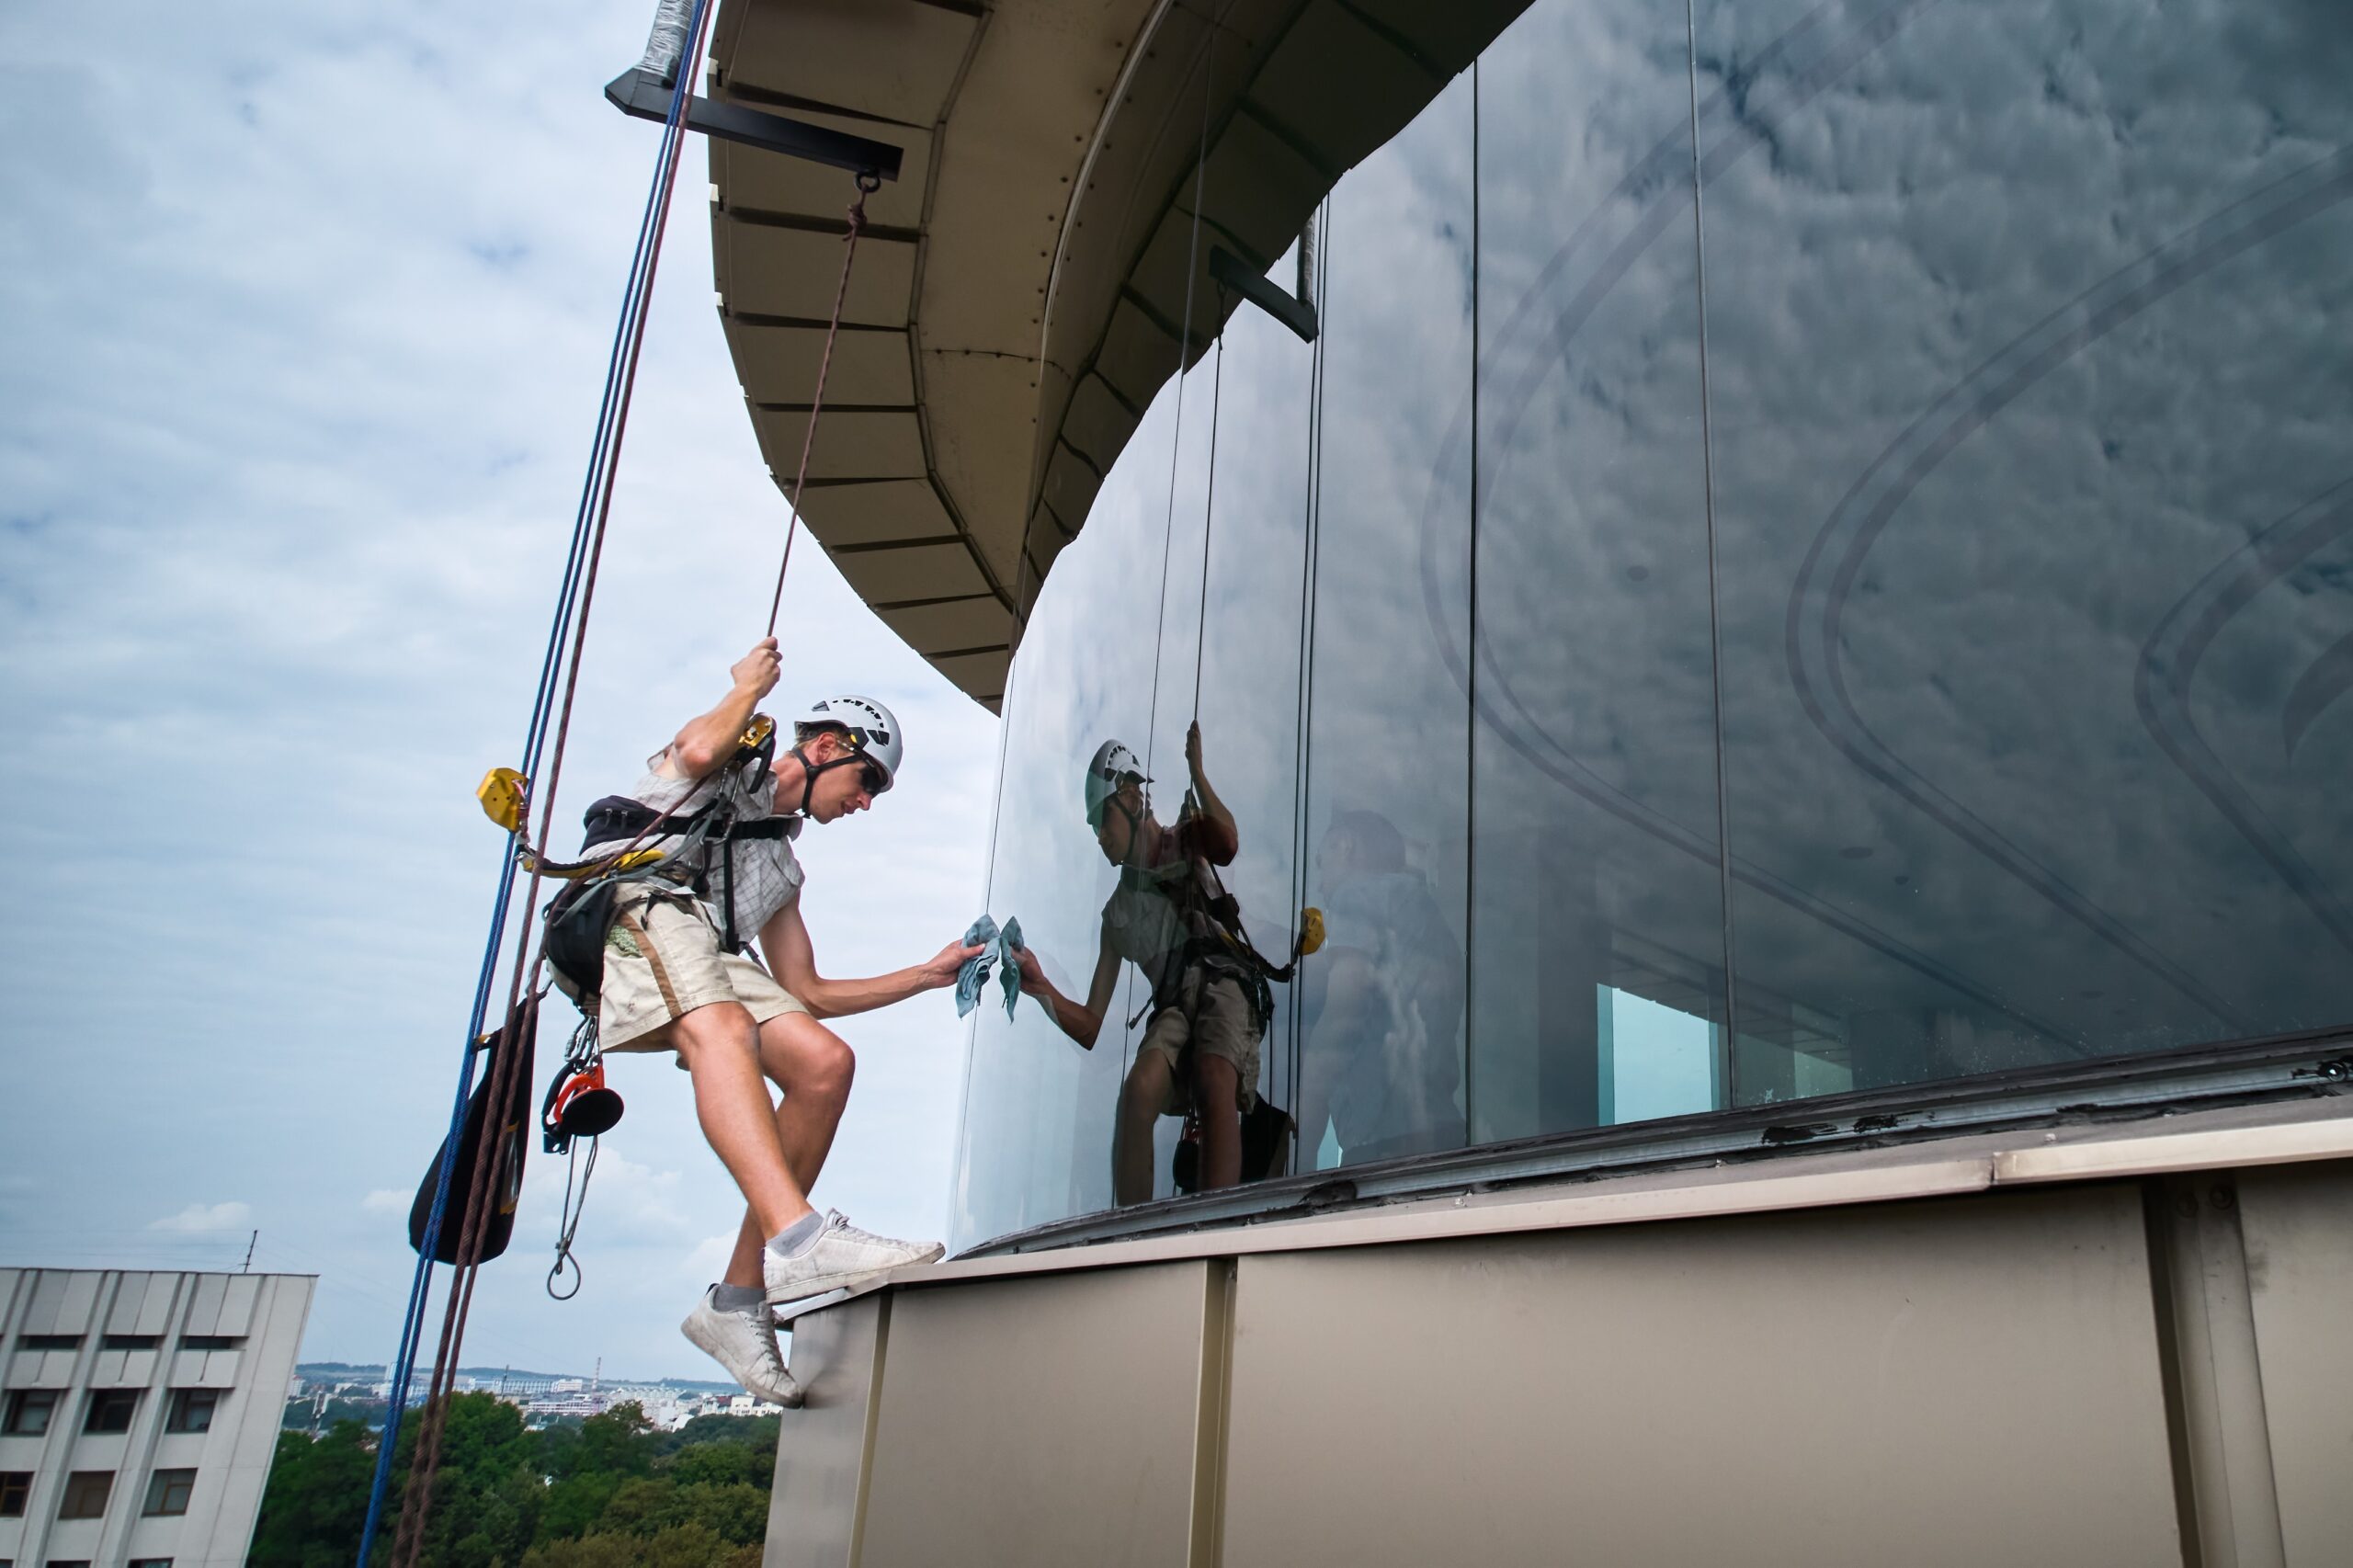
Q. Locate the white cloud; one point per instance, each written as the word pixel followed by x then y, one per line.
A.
pixel 203 1218
pixel 387 1200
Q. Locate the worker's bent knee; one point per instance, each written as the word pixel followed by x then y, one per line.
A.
pixel 715 1026
pixel 802 1056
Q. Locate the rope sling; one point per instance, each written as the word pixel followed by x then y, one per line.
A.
pixel 679 37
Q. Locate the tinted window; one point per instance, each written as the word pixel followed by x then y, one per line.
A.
pixel 86 1495
pixel 1388 775
pixel 168 1491
pixel 1599 910
pixel 191 1410
pixel 2028 326
pixel 111 1410
pixel 28 1411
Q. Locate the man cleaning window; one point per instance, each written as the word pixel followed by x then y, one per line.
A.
pixel 675 976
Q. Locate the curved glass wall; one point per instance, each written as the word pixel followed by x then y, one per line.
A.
pixel 1909 445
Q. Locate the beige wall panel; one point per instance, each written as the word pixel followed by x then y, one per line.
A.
pixel 237 1304
pixel 1146 149
pixel 983 424
pixel 876 512
pixel 982 674
pixel 1260 188
pixel 894 58
pixel 1070 484
pixel 1449 36
pixel 1035 1421
pixel 1341 87
pixel 821 1451
pixel 764 271
pixel 850 445
pixel 982 622
pixel 130 1296
pixel 1964 1382
pixel 753 181
pixel 1098 424
pixel 1137 357
pixel 155 1305
pixel 2298 1225
pixel 915 572
pixel 1037 83
pixel 778 364
pixel 204 1305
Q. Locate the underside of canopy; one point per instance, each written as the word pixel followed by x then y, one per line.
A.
pixel 1020 290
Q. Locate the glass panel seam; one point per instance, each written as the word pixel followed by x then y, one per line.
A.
pixel 1470 684
pixel 1729 1049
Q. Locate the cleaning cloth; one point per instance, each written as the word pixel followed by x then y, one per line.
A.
pixel 1008 943
pixel 975 971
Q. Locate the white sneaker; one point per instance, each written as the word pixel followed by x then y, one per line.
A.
pixel 744 1343
pixel 843 1258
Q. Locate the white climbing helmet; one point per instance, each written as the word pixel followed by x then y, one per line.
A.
pixel 873 729
pixel 1112 762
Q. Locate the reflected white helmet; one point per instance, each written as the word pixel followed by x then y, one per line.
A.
pixel 1112 764
pixel 873 729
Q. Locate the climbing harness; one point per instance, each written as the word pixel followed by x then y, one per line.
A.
pixel 507 795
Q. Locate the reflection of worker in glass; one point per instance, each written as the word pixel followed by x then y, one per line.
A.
pixel 1381 1009
pixel 1199 1052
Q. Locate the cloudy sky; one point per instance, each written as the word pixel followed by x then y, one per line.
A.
pixel 305 318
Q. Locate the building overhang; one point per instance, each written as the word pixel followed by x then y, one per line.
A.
pixel 1020 291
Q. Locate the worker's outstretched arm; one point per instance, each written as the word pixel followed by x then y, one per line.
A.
pixel 1081 1022
pixel 710 740
pixel 785 939
pixel 1224 839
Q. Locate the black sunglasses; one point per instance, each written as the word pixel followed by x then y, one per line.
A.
pixel 871 777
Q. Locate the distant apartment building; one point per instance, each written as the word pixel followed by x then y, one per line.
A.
pixel 140 1412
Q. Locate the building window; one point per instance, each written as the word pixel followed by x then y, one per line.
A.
pixel 85 1494
pixel 151 1562
pixel 192 1410
pixel 64 1563
pixel 28 1411
pixel 131 1342
pixel 111 1410
pixel 167 1492
pixel 13 1487
pixel 49 1342
pixel 210 1341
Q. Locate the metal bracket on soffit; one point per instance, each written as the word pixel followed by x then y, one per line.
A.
pixel 639 92
pixel 1230 271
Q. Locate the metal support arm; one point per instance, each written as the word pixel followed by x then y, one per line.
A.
pixel 640 93
pixel 1231 272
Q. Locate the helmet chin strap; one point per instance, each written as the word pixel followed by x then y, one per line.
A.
pixel 809 771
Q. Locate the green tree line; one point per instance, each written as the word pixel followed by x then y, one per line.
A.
pixel 607 1493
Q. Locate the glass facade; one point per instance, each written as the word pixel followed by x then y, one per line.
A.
pixel 1813 551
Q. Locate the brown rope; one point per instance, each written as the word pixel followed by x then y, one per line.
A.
pixel 867 184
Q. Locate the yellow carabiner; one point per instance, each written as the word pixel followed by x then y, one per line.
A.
pixel 757 732
pixel 1310 930
pixel 502 793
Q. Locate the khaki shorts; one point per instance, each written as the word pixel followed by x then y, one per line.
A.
pixel 661 961
pixel 1215 1018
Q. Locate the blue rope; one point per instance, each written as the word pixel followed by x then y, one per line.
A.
pixel 602 461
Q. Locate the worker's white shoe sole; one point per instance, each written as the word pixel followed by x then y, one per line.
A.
pixel 842 1258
